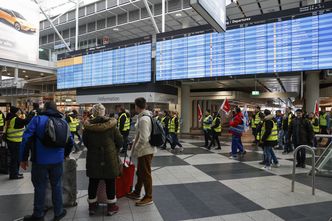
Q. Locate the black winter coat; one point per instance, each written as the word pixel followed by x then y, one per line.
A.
pixel 301 132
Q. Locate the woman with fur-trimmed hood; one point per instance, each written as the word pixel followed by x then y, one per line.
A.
pixel 103 141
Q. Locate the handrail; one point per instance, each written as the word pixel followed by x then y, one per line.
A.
pixel 323 135
pixel 312 169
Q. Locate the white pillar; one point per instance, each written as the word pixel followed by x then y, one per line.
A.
pixel 311 92
pixel 186 109
pixel 76 24
pixel 16 75
pixel 163 13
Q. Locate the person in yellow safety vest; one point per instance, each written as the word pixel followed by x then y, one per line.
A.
pixel 255 120
pixel 315 126
pixel 269 139
pixel 2 121
pixel 174 129
pixel 207 123
pixel 259 135
pixel 323 122
pixel 74 122
pixel 14 132
pixel 165 121
pixel 124 127
pixel 287 120
pixel 215 130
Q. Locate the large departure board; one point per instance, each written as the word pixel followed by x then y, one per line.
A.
pixel 298 44
pixel 106 66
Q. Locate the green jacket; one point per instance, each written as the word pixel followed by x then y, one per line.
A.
pixel 103 141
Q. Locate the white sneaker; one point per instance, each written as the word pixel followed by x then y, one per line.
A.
pixel 232 157
pixel 276 165
pixel 266 168
pixel 181 149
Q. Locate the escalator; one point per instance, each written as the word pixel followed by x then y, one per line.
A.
pixel 324 163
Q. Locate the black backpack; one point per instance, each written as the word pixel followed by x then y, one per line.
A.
pixel 57 133
pixel 158 136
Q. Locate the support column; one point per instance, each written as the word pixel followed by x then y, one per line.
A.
pixel 15 75
pixel 311 91
pixel 186 109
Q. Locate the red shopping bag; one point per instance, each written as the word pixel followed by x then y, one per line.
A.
pixel 123 184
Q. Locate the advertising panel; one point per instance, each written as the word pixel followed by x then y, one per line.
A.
pixel 19 30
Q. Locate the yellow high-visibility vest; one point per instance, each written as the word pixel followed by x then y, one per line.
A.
pixel 274 133
pixel 163 121
pixel 172 128
pixel 206 124
pixel 2 121
pixel 126 125
pixel 14 135
pixel 217 129
pixel 256 120
pixel 73 124
pixel 316 128
pixel 323 120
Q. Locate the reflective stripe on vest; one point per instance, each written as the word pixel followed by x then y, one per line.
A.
pixel 316 128
pixel 274 132
pixel 253 125
pixel 217 129
pixel 73 124
pixel 126 125
pixel 163 121
pixel 2 121
pixel 323 120
pixel 257 119
pixel 206 123
pixel 172 128
pixel 289 118
pixel 14 135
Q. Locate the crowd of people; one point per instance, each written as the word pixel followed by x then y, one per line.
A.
pixel 30 136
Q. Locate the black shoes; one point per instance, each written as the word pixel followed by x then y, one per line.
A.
pixel 18 177
pixel 217 148
pixel 33 218
pixel 58 218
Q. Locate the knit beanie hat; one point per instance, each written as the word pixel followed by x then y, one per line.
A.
pixel 13 109
pixel 98 110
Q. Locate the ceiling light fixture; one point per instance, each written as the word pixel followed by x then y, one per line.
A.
pixel 115 29
pixel 26 76
pixel 24 71
pixel 178 14
pixel 41 74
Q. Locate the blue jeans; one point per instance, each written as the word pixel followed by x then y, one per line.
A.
pixel 40 176
pixel 269 156
pixel 236 144
pixel 175 140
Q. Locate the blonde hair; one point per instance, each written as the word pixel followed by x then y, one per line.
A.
pixel 98 110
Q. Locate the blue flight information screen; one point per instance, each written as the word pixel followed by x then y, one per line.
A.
pixel 108 66
pixel 299 44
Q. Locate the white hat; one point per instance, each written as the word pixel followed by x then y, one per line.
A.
pixel 98 110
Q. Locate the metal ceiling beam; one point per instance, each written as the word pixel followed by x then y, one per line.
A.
pixel 51 23
pixel 151 16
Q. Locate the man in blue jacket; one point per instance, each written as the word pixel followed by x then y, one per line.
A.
pixel 47 163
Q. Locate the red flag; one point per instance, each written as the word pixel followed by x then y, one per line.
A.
pixel 199 113
pixel 226 107
pixel 316 111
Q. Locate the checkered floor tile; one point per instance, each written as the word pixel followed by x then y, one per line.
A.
pixel 201 185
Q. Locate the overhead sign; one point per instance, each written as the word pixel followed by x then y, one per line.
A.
pixel 19 30
pixel 213 11
pixel 150 97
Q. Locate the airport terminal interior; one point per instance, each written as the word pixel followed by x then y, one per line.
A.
pixel 245 86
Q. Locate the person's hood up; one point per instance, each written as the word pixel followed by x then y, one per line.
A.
pixel 269 117
pixel 52 113
pixel 100 124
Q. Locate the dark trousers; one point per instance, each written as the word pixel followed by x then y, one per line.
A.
pixel 93 187
pixel 323 130
pixel 207 137
pixel 14 162
pixel 301 156
pixel 144 177
pixel 175 140
pixel 215 138
pixel 254 132
pixel 125 141
pixel 77 147
pixel 288 144
pixel 167 138
pixel 40 176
